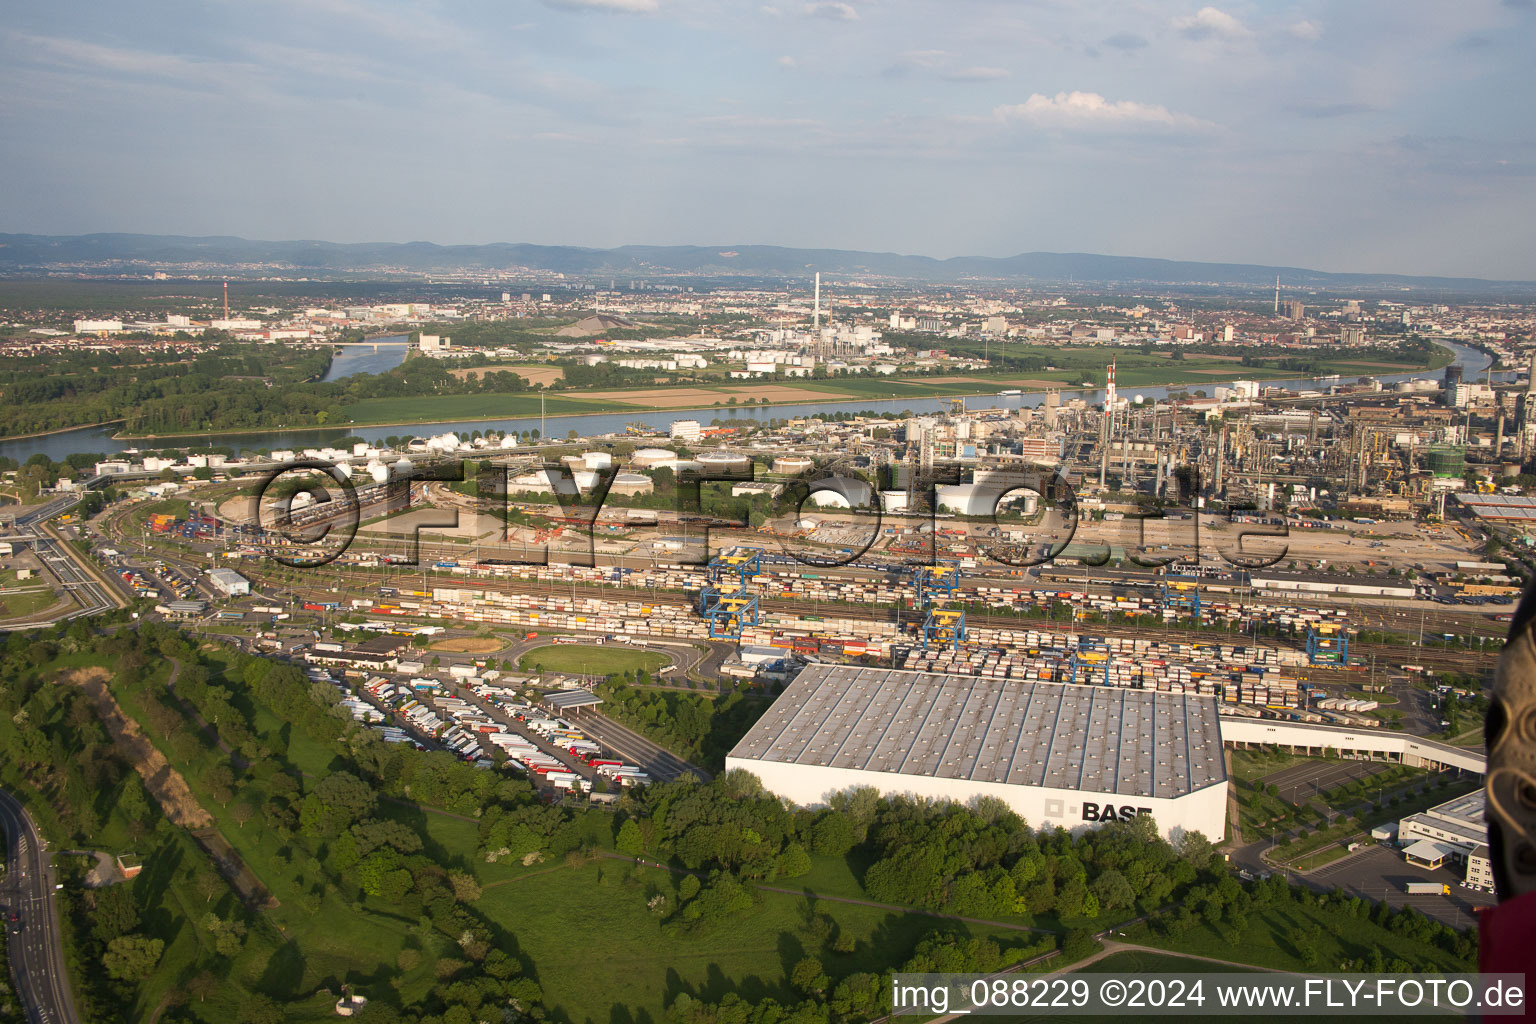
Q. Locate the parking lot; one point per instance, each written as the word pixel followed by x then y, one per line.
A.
pixel 1380 873
pixel 1301 781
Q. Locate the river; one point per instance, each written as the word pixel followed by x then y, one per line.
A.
pixel 356 359
pixel 98 439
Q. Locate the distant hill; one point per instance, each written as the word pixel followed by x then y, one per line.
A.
pixel 31 254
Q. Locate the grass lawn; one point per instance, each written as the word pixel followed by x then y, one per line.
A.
pixel 1327 855
pixel 1248 765
pixel 580 659
pixel 1268 940
pixel 601 956
pixel 24 603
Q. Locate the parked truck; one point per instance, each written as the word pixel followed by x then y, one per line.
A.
pixel 1427 889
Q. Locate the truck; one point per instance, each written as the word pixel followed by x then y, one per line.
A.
pixel 1427 889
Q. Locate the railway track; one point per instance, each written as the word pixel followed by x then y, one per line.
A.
pixel 1449 659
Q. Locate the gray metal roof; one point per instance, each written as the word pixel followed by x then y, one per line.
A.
pixel 1500 506
pixel 564 700
pixel 1089 738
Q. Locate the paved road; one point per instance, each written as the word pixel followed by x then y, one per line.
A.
pixel 36 951
pixel 75 578
pixel 1308 779
pixel 658 762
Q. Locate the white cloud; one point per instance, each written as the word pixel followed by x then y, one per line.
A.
pixel 1209 22
pixel 834 11
pixel 1309 31
pixel 610 6
pixel 1090 110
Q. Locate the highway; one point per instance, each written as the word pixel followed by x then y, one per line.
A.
pixel 35 946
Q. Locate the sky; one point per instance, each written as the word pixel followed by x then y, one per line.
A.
pixel 1370 135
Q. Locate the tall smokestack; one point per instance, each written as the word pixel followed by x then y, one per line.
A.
pixel 816 322
pixel 226 300
pixel 1109 398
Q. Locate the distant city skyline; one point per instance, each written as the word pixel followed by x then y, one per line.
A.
pixel 1383 137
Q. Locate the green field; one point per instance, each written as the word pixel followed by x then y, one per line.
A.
pixel 1134 369
pixel 20 604
pixel 581 659
pixel 601 956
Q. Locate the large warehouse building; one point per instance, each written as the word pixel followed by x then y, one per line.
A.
pixel 1058 754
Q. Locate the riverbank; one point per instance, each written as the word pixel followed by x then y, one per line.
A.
pixel 60 430
pixel 559 405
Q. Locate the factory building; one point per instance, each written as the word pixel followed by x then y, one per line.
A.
pixel 1454 832
pixel 228 582
pixel 1300 583
pixel 1058 754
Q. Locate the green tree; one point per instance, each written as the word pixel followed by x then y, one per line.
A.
pixel 132 957
pixel 115 913
pixel 465 888
pixel 630 841
pixel 1113 890
pixel 808 978
pixel 794 861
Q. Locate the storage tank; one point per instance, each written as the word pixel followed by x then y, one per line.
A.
pixel 652 458
pixel 631 483
pixel 378 471
pixel 792 465
pixel 403 467
pixel 596 461
pixel 729 462
pixel 967 499
pixel 1445 460
pixel 846 493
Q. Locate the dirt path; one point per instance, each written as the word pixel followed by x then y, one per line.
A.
pixel 1112 946
pixel 164 783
